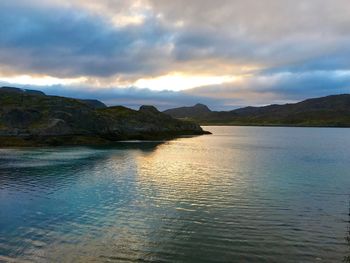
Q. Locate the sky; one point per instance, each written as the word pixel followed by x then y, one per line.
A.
pixel 223 53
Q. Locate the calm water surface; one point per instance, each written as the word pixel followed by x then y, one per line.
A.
pixel 243 194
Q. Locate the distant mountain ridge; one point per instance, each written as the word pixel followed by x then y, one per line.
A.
pixel 329 111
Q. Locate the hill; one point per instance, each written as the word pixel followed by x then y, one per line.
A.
pixel 330 111
pixel 30 118
pixel 197 110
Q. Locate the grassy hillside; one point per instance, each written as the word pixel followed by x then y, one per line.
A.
pixel 30 117
pixel 330 111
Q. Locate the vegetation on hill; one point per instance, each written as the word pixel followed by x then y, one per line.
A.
pixel 330 111
pixel 33 118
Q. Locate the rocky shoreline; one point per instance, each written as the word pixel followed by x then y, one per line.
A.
pixel 31 118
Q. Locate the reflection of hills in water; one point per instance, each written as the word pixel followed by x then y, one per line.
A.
pixel 35 157
pixel 76 191
pixel 43 164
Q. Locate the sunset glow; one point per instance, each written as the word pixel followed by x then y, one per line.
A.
pixel 226 54
pixel 177 82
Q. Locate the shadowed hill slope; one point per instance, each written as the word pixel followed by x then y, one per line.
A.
pixel 30 117
pixel 197 110
pixel 330 111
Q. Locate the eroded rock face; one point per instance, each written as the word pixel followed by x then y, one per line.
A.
pixel 33 115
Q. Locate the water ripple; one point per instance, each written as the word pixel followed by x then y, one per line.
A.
pixel 240 195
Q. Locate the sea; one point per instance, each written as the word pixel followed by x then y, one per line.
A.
pixel 242 194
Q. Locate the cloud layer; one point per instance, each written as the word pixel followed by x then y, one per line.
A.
pixel 276 50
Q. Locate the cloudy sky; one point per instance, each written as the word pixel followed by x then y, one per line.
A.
pixel 224 53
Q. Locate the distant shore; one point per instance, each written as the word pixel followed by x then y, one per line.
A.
pixel 275 125
pixel 329 111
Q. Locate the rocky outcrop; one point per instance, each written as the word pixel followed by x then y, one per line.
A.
pixel 38 117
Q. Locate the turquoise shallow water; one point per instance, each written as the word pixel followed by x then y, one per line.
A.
pixel 243 194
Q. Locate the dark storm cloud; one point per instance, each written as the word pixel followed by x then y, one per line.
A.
pixel 71 40
pixel 66 42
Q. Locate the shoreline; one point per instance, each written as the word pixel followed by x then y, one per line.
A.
pixel 88 140
pixel 272 125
